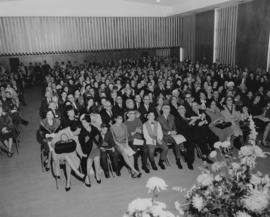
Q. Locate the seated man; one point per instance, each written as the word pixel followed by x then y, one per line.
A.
pixel 153 136
pixel 135 139
pixel 107 149
pixel 106 113
pixel 167 123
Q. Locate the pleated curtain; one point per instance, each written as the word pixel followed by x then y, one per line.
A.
pixel 225 34
pixel 41 35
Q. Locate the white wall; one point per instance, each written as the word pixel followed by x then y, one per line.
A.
pixel 81 8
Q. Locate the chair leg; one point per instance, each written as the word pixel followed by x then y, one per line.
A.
pixel 199 152
pixel 16 145
pixel 167 162
pixel 56 181
pixel 110 165
pixel 42 163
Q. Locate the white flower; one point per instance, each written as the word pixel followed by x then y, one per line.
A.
pixel 249 161
pixel 140 204
pixel 258 151
pixel 217 145
pixel 197 202
pixel 257 201
pixel 205 179
pixel 242 214
pixel 213 154
pixel 178 208
pixel 158 210
pixel 266 180
pixel 245 151
pixel 255 180
pixel 218 178
pixel 225 144
pixel 216 166
pixel 235 166
pixel 156 183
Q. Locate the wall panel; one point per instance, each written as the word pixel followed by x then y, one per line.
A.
pixel 188 36
pixel 205 36
pixel 253 34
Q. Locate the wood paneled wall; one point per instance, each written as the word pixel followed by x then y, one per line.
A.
pixel 39 35
pixel 253 34
pixel 204 36
pixel 188 36
pixel 225 34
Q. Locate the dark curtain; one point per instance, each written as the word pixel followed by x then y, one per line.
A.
pixel 205 36
pixel 253 34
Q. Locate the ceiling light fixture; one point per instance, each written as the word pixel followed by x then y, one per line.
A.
pixel 157 1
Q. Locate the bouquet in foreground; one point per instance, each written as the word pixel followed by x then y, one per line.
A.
pixel 230 188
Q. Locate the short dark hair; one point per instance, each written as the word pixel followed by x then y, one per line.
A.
pixel 75 125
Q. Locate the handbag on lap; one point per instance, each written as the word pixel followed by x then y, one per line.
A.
pixel 223 125
pixel 65 146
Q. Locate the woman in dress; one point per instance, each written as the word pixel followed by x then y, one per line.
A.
pixel 233 116
pixel 71 160
pixel 120 137
pixel 48 127
pixel 217 118
pixel 88 139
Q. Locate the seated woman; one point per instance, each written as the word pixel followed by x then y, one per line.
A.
pixel 6 131
pixel 135 139
pixel 88 139
pixel 120 137
pixel 48 127
pixel 233 116
pixel 71 160
pixel 217 119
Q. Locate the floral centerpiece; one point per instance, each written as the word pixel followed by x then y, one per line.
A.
pixel 230 188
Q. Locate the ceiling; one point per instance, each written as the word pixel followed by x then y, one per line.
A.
pixel 134 8
pixel 161 2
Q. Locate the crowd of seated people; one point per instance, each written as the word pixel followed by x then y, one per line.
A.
pixel 131 109
pixel 11 97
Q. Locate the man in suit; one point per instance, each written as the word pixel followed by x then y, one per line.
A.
pixel 167 123
pixel 106 113
pixel 145 108
pixel 107 149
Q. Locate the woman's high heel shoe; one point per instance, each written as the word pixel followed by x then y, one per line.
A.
pixel 87 184
pixel 136 175
pixel 67 189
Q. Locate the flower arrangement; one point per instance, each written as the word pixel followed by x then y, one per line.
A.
pixel 230 188
pixel 150 207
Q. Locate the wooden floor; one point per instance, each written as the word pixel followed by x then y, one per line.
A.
pixel 27 192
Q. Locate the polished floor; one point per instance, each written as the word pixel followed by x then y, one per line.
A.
pixel 27 192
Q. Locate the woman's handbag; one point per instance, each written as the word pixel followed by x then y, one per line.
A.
pixel 65 146
pixel 223 125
